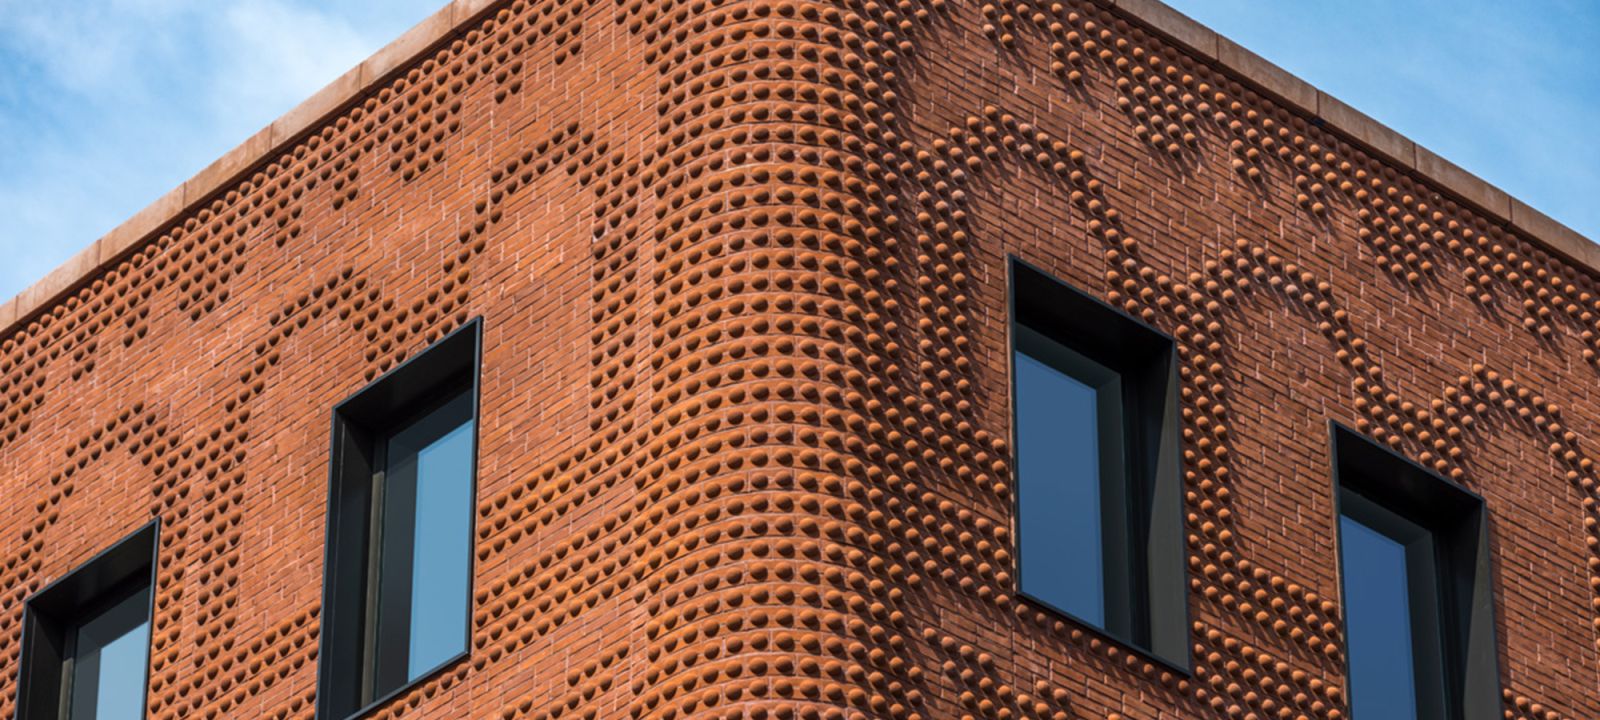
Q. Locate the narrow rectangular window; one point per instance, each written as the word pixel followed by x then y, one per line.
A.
pixel 86 644
pixel 1418 608
pixel 424 525
pixel 401 504
pixel 1098 491
pixel 108 653
pixel 1391 600
pixel 1070 453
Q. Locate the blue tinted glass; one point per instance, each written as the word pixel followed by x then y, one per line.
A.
pixel 1058 468
pixel 430 493
pixel 439 594
pixel 1377 610
pixel 108 662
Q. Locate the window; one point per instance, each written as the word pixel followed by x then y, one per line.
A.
pixel 400 509
pixel 1418 606
pixel 1098 487
pixel 86 638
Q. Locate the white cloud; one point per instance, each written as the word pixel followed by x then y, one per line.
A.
pixel 88 49
pixel 274 54
pixel 107 104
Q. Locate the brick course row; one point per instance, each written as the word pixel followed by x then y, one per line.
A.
pixel 745 415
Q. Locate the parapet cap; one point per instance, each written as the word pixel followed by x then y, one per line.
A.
pixel 1330 113
pixel 1217 51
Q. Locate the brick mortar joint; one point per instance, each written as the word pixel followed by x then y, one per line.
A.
pixel 128 237
pixel 98 255
pixel 1558 238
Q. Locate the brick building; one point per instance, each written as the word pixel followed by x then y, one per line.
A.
pixel 689 358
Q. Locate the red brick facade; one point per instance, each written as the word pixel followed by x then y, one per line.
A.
pixel 745 411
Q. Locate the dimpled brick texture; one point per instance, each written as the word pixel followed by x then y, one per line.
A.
pixel 744 412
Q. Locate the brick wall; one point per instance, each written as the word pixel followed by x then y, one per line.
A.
pixel 744 403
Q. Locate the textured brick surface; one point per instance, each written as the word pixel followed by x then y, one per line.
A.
pixel 744 425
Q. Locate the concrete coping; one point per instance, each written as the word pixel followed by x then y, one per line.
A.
pixel 348 89
pixel 1331 113
pixel 448 21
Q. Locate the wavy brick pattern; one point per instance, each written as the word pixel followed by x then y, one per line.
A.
pixel 744 434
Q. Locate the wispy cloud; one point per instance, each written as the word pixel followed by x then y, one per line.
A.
pixel 277 53
pixel 107 104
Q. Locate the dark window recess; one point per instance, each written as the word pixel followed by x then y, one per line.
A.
pixel 1099 492
pixel 86 638
pixel 397 597
pixel 1418 604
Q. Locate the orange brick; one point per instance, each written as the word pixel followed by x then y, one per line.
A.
pixel 745 418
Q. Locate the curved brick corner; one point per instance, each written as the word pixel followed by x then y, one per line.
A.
pixel 744 452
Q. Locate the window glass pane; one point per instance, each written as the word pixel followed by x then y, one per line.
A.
pixel 427 508
pixel 1377 608
pixel 439 599
pixel 108 665
pixel 1058 467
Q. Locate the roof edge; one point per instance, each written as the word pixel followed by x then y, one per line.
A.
pixel 1207 45
pixel 346 90
pixel 1330 113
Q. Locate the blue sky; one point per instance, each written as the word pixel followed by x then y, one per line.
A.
pixel 1507 90
pixel 107 104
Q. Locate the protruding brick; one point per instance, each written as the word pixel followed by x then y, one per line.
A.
pixel 1552 232
pixel 332 96
pixel 1456 180
pixel 1270 77
pixel 744 442
pixel 235 162
pixel 141 225
pixel 420 37
pixel 1366 130
pixel 68 274
pixel 1177 25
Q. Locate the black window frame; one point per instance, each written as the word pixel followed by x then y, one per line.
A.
pixel 361 427
pixel 1152 581
pixel 52 615
pixel 1375 485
